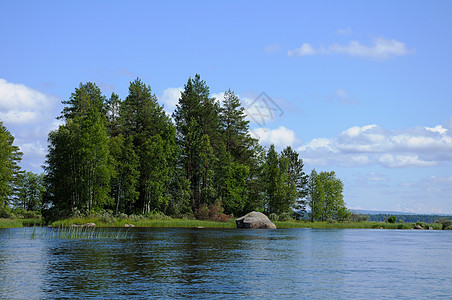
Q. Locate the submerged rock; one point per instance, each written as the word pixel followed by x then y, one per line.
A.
pixel 255 220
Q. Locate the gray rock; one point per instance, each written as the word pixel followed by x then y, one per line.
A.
pixel 255 220
pixel 418 227
pixel 89 225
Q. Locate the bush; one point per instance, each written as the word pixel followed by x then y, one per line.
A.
pixel 285 217
pixel 213 212
pixel 157 215
pixel 25 214
pixel 356 218
pixel 445 224
pixel 392 219
pixel 122 216
pixel 5 214
pixel 273 217
pixel 106 216
pixel 136 218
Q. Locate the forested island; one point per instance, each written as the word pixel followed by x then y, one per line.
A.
pixel 127 157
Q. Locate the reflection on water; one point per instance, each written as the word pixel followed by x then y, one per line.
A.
pixel 228 263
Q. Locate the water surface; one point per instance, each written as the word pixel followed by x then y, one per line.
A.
pixel 229 263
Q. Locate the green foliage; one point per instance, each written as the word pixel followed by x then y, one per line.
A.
pixel 115 160
pixel 392 219
pixel 10 223
pixel 78 168
pixel 444 223
pixel 10 156
pixel 30 191
pixel 352 217
pixel 325 197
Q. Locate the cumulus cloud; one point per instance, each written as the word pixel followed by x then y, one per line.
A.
pixel 371 144
pixel 21 105
pixel 304 50
pixel 29 115
pixel 381 49
pixel 280 137
pixel 170 97
pixel 219 97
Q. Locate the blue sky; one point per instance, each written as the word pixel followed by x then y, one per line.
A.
pixel 359 87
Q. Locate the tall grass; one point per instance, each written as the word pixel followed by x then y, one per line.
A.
pixel 10 223
pixel 145 222
pixel 77 233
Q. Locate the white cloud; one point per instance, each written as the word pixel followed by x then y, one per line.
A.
pixel 381 49
pixel 438 128
pixel 22 105
pixel 273 48
pixel 29 115
pixel 398 161
pixel 305 49
pixel 170 97
pixel 219 97
pixel 280 137
pixel 371 144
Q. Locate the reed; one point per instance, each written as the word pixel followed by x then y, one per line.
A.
pixel 78 233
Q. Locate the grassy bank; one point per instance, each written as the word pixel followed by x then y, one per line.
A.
pixel 351 225
pixel 145 223
pixel 15 223
pixel 189 223
pixel 10 223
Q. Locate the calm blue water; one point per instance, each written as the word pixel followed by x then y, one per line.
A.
pixel 229 263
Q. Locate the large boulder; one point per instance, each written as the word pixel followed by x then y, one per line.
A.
pixel 255 220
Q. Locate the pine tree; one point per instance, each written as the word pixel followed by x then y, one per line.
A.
pixel 196 118
pixel 296 180
pixel 153 135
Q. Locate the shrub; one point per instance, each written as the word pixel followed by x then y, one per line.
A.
pixel 122 216
pixel 212 212
pixel 285 217
pixel 157 215
pixel 106 216
pixel 273 217
pixel 355 218
pixel 445 224
pixel 5 214
pixel 136 218
pixel 25 214
pixel 392 219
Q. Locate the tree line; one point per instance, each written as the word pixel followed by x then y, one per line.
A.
pixel 129 156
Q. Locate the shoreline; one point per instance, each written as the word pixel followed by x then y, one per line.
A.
pixel 189 223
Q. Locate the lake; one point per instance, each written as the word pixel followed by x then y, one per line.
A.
pixel 228 263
